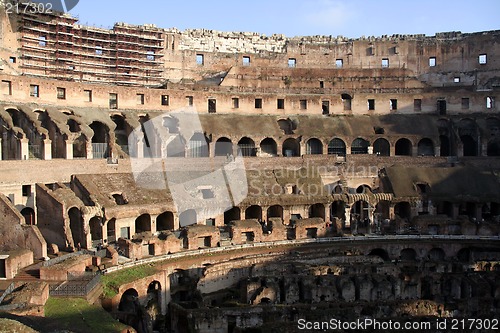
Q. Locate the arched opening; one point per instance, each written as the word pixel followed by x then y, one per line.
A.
pixel 403 210
pixel 286 125
pixel 153 307
pixel 493 148
pixel 76 226
pixel 111 229
pixel 95 231
pixel 382 211
pixel 119 199
pixel 408 255
pixel 464 255
pixel 381 147
pixel 403 147
pixel 317 210
pixel 253 212
pixel 129 302
pixel 360 213
pixel 337 209
pixel 444 144
pixel 314 147
pixel 234 214
pixel 469 145
pixel 80 147
pixel 73 125
pixel 468 133
pixel 347 101
pixel 337 147
pixel 247 147
pixel 380 253
pixel 291 148
pixel 223 147
pixel 436 254
pixel 143 224
pixel 29 215
pixel 188 217
pixel 425 147
pixel 165 221
pixel 100 140
pixel 363 189
pixel 359 146
pixel 275 211
pixel 122 131
pixel 198 146
pixel 268 148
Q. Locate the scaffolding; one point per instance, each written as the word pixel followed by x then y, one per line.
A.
pixel 54 46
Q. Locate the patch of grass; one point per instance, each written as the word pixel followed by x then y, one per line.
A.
pixel 112 281
pixel 77 315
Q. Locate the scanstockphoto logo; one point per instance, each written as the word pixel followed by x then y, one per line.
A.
pixel 41 6
pixel 200 191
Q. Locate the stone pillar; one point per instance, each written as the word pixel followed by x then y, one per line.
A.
pixel 176 221
pixel 391 212
pixel 460 149
pixel 264 214
pixel 286 216
pixel 47 149
pixel 484 149
pixel 211 149
pixel 25 150
pixel 303 148
pixel 370 150
pixel 69 150
pixel 166 296
pixel 392 150
pixel 325 148
pixel 414 150
pixel 1 145
pixel 348 150
pixel 154 227
pixel 279 149
pixel 437 151
pixel 347 212
pixel 90 152
pixel 105 233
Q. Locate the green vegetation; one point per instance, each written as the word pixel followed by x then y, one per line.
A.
pixel 77 315
pixel 112 281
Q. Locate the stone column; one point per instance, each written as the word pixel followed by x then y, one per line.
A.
pixel 325 148
pixel 484 149
pixel 460 149
pixel 47 149
pixel 347 212
pixel 392 150
pixel 303 148
pixel 25 150
pixel 69 150
pixel 166 296
pixel 370 150
pixel 211 149
pixel 1 145
pixel 437 151
pixel 414 150
pixel 90 151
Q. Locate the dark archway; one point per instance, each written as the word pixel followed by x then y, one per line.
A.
pixel 359 146
pixel 247 147
pixel 268 147
pixel 317 210
pixel 223 147
pixel 76 226
pixel 445 146
pixel 234 214
pixel 314 147
pixel 111 229
pixel 29 215
pixel 275 211
pixel 436 254
pixel 291 148
pixel 153 305
pixel 188 217
pixel 469 145
pixel 198 146
pixel 425 147
pixel 337 147
pixel 96 230
pixel 253 212
pixel 493 147
pixel 100 140
pixel 129 301
pixel 143 223
pixel 381 147
pixel 403 210
pixel 403 147
pixel 380 253
pixel 408 255
pixel 165 221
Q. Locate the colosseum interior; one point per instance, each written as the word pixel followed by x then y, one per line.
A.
pixel 322 177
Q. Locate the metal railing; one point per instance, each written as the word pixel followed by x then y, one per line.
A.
pixel 73 288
